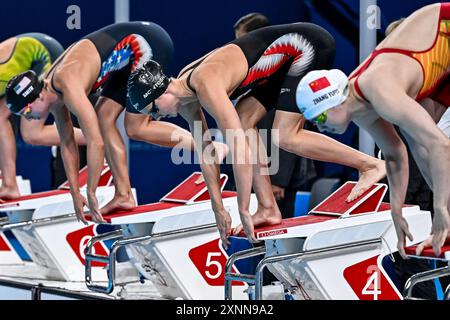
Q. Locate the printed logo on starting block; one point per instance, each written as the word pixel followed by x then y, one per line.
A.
pixel 78 241
pixel 369 282
pixel 210 261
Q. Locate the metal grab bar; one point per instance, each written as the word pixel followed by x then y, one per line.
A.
pixel 111 259
pixel 42 221
pixel 258 280
pixel 230 276
pixel 304 254
pixel 3 221
pixel 90 258
pixel 447 293
pixel 425 276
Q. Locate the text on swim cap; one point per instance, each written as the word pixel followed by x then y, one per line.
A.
pixel 27 92
pixel 158 83
pixel 147 93
pixel 326 96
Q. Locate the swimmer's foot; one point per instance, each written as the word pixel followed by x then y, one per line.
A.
pixel 262 217
pixel 9 193
pixel 119 202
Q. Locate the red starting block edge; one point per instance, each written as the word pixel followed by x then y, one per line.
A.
pixel 333 207
pixel 106 179
pixel 188 191
pixel 336 204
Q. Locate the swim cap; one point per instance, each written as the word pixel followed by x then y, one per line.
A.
pixel 22 90
pixel 145 85
pixel 321 90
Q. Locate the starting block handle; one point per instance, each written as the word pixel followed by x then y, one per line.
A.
pixel 230 276
pixel 109 261
pixel 4 221
pixel 422 277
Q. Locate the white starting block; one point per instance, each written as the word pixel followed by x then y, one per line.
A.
pixel 428 254
pixel 335 252
pixel 7 253
pixel 173 243
pixel 46 227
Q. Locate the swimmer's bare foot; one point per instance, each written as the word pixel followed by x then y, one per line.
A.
pixel 368 177
pixel 119 202
pixel 9 193
pixel 262 217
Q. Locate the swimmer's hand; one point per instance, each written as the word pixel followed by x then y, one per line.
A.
pixel 248 226
pixel 402 230
pixel 439 230
pixel 79 201
pixel 93 208
pixel 223 220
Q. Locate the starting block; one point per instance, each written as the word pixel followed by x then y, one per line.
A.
pixel 173 243
pixel 46 227
pixel 8 255
pixel 428 254
pixel 353 238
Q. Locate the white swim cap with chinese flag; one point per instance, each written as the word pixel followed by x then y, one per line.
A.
pixel 321 90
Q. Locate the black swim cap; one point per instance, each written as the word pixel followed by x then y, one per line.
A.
pixel 145 85
pixel 22 90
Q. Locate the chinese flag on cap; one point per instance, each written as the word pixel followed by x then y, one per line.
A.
pixel 319 84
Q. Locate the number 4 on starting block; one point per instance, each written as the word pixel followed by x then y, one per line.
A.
pixel 336 204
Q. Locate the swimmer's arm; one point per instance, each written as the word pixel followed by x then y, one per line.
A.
pixel 193 114
pixel 394 105
pixel 69 149
pixel 36 132
pixel 78 103
pixel 396 158
pixel 212 94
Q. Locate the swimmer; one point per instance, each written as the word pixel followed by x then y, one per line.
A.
pixel 410 66
pixel 262 68
pixel 29 51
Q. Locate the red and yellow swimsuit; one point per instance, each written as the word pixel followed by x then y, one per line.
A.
pixel 435 63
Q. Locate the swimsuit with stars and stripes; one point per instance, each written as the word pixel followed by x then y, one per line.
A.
pixel 123 47
pixel 278 57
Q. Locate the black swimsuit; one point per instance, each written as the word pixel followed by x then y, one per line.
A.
pixel 123 47
pixel 278 57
